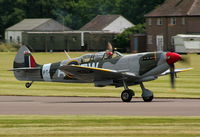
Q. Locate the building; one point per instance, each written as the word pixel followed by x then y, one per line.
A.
pixel 108 23
pixel 171 18
pixel 68 40
pixel 93 36
pixel 14 33
pixel 138 43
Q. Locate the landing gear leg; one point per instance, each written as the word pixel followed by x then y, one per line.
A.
pixel 28 85
pixel 147 95
pixel 127 94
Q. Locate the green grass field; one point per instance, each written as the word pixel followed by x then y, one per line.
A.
pixel 98 126
pixel 188 83
pixel 188 86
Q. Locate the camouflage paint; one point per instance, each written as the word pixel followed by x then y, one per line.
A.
pixel 144 67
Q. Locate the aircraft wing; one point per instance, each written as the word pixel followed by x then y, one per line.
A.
pixel 176 71
pixel 91 74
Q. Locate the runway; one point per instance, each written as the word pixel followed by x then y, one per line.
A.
pixel 27 105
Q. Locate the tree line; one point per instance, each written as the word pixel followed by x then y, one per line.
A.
pixel 72 13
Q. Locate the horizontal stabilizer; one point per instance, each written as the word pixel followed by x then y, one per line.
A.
pixel 33 68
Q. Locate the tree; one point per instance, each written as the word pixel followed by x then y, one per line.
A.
pixel 10 13
pixel 73 13
pixel 122 41
pixel 134 10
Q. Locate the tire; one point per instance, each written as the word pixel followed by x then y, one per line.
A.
pixel 148 99
pixel 127 95
pixel 27 85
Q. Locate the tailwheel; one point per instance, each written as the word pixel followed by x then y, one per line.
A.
pixel 127 95
pixel 28 85
pixel 148 99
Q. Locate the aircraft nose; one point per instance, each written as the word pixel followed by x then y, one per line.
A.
pixel 173 57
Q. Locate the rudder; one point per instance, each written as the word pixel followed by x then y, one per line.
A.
pixel 24 66
pixel 24 59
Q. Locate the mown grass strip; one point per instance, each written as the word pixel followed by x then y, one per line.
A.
pixel 104 126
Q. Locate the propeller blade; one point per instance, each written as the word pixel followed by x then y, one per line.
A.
pixel 109 47
pixel 172 76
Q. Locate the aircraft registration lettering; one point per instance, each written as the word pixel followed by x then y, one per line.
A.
pixel 93 65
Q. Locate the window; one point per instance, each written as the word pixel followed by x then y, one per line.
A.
pixel 86 58
pixel 159 21
pixel 98 56
pixel 159 42
pixel 18 39
pixel 52 38
pixel 172 40
pixel 173 21
pixel 149 21
pixel 11 39
pixel 116 54
pixel 183 20
pixel 74 39
pixel 149 39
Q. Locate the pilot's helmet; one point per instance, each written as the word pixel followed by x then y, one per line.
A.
pixel 110 53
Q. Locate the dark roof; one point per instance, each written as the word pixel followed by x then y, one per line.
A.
pixel 99 22
pixel 177 8
pixel 32 24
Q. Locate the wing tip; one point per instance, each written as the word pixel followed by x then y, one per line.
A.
pixel 187 69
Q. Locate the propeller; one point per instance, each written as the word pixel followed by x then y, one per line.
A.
pixel 109 50
pixel 172 75
pixel 109 47
pixel 172 58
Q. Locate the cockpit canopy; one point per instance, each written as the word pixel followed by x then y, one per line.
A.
pixel 99 56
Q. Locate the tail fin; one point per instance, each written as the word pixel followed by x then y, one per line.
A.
pixel 24 67
pixel 24 59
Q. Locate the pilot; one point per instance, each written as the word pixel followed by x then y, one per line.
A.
pixel 109 54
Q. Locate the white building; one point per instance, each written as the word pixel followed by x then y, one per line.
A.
pixel 186 43
pixel 14 33
pixel 108 23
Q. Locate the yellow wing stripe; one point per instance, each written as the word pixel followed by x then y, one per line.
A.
pixel 107 70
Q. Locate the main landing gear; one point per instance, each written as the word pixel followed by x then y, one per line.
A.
pixel 28 85
pixel 127 94
pixel 147 95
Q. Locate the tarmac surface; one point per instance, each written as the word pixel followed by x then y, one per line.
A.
pixel 27 105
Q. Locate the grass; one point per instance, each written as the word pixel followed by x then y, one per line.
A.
pixel 188 83
pixel 6 47
pixel 188 86
pixel 102 126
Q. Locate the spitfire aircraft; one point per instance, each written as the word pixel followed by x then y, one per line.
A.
pixel 102 69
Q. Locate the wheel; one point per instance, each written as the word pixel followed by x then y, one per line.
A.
pixel 126 95
pixel 148 99
pixel 27 85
